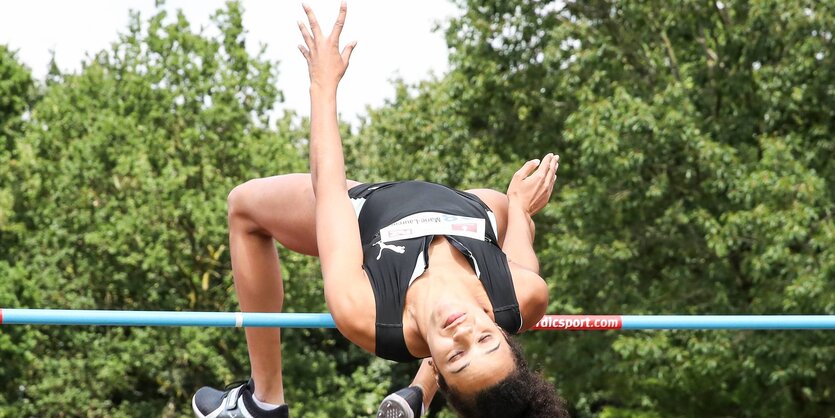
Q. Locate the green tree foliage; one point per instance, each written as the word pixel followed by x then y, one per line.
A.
pixel 697 177
pixel 16 94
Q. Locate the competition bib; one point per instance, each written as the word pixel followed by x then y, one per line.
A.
pixel 433 223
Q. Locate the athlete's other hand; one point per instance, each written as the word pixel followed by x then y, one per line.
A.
pixel 532 185
pixel 325 63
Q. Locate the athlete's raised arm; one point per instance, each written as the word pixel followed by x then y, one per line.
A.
pixel 529 191
pixel 326 66
pixel 337 231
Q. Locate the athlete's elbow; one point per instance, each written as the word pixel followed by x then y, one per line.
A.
pixel 540 302
pixel 344 315
pixel 536 303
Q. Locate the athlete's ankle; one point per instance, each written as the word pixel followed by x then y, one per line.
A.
pixel 423 396
pixel 269 392
pixel 271 398
pixel 265 405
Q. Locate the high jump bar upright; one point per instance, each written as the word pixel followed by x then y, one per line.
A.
pixel 324 320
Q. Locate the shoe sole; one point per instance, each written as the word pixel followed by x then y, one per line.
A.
pixel 395 407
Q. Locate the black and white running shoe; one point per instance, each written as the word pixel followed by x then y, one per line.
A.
pixel 234 402
pixel 405 403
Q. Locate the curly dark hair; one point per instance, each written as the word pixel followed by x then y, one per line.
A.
pixel 523 394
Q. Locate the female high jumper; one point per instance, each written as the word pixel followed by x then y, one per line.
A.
pixel 412 270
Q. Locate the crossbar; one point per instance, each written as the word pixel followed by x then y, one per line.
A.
pixel 324 320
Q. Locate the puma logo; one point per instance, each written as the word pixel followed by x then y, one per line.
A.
pixel 399 249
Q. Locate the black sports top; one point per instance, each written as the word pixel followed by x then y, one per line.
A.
pixel 398 221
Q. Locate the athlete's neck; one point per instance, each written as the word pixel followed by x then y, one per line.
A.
pixel 436 285
pixel 449 273
pixel 428 289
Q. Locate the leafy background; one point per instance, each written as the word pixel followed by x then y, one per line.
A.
pixel 697 177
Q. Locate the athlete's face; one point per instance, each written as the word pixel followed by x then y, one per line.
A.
pixel 468 348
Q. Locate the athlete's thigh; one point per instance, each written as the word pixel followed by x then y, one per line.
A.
pixel 282 206
pixel 497 202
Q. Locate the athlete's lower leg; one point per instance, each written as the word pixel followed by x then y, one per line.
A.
pixel 262 211
pixel 258 283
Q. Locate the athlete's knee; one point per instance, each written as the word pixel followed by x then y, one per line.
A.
pixel 498 203
pixel 239 201
pixel 499 197
pixel 496 200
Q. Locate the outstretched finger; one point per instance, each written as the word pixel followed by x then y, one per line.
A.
pixel 308 40
pixel 347 51
pixel 552 174
pixel 555 163
pixel 314 24
pixel 547 161
pixel 340 22
pixel 305 53
pixel 527 169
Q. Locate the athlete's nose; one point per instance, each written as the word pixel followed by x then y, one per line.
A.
pixel 462 332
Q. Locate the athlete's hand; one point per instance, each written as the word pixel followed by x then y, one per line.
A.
pixel 532 185
pixel 325 63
